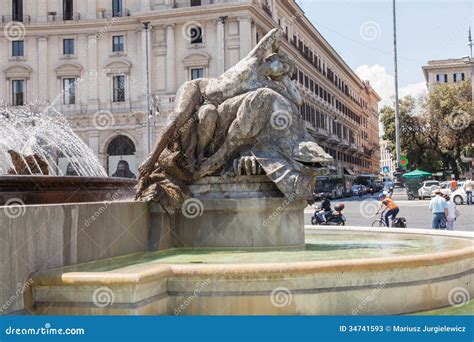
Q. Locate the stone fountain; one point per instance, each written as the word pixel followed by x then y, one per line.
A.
pixel 33 139
pixel 217 227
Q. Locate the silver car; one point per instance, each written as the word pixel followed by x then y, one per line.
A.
pixel 427 188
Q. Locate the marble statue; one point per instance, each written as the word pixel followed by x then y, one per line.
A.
pixel 245 122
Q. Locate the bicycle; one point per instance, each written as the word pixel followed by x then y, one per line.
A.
pixel 399 222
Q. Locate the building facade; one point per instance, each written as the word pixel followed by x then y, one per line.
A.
pixel 448 71
pixel 94 59
pixel 387 162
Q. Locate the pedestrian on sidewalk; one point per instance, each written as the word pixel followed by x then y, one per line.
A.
pixel 454 184
pixel 439 208
pixel 468 188
pixel 452 213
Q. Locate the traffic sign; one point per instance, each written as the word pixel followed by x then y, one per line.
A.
pixel 403 161
pixel 386 169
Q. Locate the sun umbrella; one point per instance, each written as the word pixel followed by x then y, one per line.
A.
pixel 417 174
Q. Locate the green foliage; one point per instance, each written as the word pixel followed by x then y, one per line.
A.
pixel 435 130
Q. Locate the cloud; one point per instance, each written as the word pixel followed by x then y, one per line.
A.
pixel 384 83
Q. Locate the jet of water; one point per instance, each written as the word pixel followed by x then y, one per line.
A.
pixel 41 129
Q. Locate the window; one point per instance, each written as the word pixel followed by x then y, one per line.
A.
pixel 119 88
pixel 17 10
pixel 68 9
pixel 196 35
pixel 69 91
pixel 68 46
pixel 117 43
pixel 442 78
pixel 117 8
pixel 18 48
pixel 458 77
pixel 18 92
pixel 195 3
pixel 197 73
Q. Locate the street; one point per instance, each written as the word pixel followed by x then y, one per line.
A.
pixel 360 212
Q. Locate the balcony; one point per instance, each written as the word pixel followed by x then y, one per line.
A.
pixel 334 138
pixel 103 14
pixel 344 143
pixel 54 16
pixel 353 147
pixel 321 132
pixel 5 19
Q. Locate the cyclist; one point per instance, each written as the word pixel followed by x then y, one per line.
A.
pixel 389 205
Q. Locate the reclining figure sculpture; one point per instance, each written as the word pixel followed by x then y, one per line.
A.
pixel 245 122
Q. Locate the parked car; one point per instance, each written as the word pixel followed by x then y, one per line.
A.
pixel 355 189
pixel 427 188
pixel 459 196
pixel 445 188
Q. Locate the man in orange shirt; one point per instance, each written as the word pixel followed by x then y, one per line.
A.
pixel 389 205
pixel 454 184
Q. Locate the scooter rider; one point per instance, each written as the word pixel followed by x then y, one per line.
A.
pixel 325 208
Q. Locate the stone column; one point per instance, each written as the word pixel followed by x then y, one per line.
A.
pixel 170 59
pixel 145 5
pixel 146 74
pixel 245 32
pixel 254 35
pixel 43 69
pixel 91 9
pixel 221 53
pixel 93 97
pixel 42 10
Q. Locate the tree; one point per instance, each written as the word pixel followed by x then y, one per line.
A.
pixel 435 130
pixel 451 122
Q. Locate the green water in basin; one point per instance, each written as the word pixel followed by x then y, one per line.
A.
pixel 321 246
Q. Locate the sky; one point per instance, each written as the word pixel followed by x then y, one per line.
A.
pixel 361 31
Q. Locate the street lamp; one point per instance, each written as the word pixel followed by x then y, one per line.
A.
pixel 397 107
pixel 147 63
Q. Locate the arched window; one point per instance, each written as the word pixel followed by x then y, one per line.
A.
pixel 121 146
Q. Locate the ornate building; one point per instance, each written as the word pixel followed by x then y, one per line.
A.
pixel 94 59
pixel 448 71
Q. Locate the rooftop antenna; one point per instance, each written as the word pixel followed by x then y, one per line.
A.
pixel 470 40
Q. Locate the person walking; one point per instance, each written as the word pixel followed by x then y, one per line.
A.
pixel 468 188
pixel 451 215
pixel 454 184
pixel 439 208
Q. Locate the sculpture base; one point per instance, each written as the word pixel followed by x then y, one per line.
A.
pixel 245 211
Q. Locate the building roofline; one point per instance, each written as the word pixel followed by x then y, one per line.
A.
pixel 328 46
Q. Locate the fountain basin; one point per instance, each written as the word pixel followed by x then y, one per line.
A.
pixel 366 272
pixel 70 189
